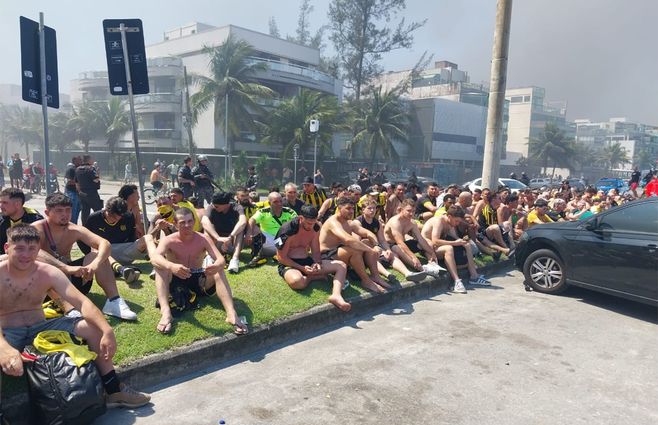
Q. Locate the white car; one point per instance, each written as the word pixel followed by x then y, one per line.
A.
pixel 514 185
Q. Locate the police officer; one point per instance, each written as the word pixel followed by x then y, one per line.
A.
pixel 203 178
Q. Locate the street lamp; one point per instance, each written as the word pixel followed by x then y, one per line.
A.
pixel 314 127
pixel 296 155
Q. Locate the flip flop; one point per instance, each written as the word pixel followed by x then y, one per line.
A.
pixel 164 328
pixel 240 330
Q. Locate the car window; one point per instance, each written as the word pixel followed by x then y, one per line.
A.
pixel 642 217
pixel 513 184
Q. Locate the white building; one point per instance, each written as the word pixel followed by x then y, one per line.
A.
pixel 291 66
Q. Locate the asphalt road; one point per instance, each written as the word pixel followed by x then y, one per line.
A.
pixel 496 355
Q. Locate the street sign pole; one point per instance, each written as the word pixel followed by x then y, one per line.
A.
pixel 44 103
pixel 133 120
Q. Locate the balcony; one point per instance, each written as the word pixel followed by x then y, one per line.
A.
pixel 158 133
pixel 155 103
pixel 294 74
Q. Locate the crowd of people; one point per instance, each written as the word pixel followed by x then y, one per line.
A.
pixel 347 235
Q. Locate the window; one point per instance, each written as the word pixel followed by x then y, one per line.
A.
pixel 637 218
pixel 516 99
pixel 526 98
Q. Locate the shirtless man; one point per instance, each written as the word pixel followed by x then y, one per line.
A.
pixel 401 225
pixel 25 283
pixel 185 257
pixel 339 242
pixel 441 232
pixel 294 241
pixel 371 230
pixel 58 235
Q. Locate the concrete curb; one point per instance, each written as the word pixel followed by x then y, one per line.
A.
pixel 158 368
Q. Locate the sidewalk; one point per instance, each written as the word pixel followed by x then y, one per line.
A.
pixel 158 368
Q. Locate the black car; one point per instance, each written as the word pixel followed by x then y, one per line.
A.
pixel 615 252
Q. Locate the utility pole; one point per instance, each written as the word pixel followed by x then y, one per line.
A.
pixel 188 113
pixel 493 140
pixel 44 104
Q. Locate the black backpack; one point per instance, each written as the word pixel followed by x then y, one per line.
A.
pixel 61 392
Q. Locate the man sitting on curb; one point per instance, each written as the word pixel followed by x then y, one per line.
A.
pixel 116 224
pixel 264 225
pixel 370 229
pixel 58 235
pixel 190 259
pixel 396 231
pixel 339 242
pixel 297 267
pixel 441 232
pixel 24 286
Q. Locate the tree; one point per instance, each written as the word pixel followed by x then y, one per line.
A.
pixel 84 124
pixel 113 121
pixel 303 32
pixel 361 31
pixel 613 155
pixel 584 155
pixel 380 120
pixel 24 125
pixel 274 28
pixel 552 147
pixel 231 82
pixel 61 134
pixel 288 124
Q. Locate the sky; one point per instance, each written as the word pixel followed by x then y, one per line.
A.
pixel 597 55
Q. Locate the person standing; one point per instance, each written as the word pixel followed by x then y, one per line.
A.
pixel 185 178
pixel 172 173
pixel 318 178
pixel 71 189
pixel 252 180
pixel 203 178
pixel 128 173
pixel 2 172
pixel 88 183
pixel 16 172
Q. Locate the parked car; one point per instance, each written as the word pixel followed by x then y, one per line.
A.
pixel 577 184
pixel 615 252
pixel 514 185
pixel 607 183
pixel 544 182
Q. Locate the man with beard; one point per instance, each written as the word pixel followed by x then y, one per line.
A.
pixel 395 200
pixel 58 235
pixel 225 223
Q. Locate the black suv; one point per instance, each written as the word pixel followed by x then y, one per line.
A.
pixel 615 252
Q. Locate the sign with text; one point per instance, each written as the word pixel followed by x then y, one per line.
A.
pixel 116 68
pixel 31 63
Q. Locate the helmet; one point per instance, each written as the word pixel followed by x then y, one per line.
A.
pixel 156 164
pixel 202 158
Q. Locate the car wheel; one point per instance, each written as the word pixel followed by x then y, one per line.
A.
pixel 544 271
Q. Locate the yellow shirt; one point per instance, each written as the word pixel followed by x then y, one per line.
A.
pixel 533 219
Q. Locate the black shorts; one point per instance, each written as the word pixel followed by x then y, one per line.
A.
pixel 412 244
pixel 157 185
pixel 195 283
pixel 308 261
pixel 330 254
pixel 83 287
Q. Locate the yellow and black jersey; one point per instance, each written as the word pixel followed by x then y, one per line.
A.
pixel 251 209
pixel 29 216
pixel 381 204
pixel 488 216
pixel 315 199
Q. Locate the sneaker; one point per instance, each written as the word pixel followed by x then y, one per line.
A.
pixel 119 308
pixel 257 261
pixel 127 397
pixel 417 276
pixel 130 275
pixel 433 268
pixel 234 265
pixel 73 314
pixel 510 254
pixel 459 287
pixel 480 280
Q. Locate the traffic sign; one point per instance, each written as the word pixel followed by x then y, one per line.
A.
pixel 116 69
pixel 31 65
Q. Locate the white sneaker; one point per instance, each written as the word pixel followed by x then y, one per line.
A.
pixel 433 268
pixel 480 280
pixel 459 287
pixel 234 265
pixel 119 308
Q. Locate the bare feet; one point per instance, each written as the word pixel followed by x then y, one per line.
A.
pixel 239 328
pixel 372 286
pixel 339 302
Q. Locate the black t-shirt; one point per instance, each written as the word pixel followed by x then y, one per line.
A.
pixel 635 177
pixel 185 172
pixel 85 176
pixel 297 206
pixel 30 216
pixel 224 222
pixel 122 231
pixel 373 227
pixel 69 174
pixel 420 205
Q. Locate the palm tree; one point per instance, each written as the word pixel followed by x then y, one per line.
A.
pixel 113 120
pixel 84 124
pixel 231 90
pixel 552 147
pixel 61 134
pixel 288 124
pixel 613 155
pixel 24 125
pixel 584 155
pixel 380 120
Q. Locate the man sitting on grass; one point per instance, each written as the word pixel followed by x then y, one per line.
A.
pixel 339 242
pixel 58 235
pixel 190 259
pixel 263 227
pixel 24 285
pixel 297 267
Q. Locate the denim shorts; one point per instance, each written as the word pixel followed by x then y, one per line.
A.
pixel 20 337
